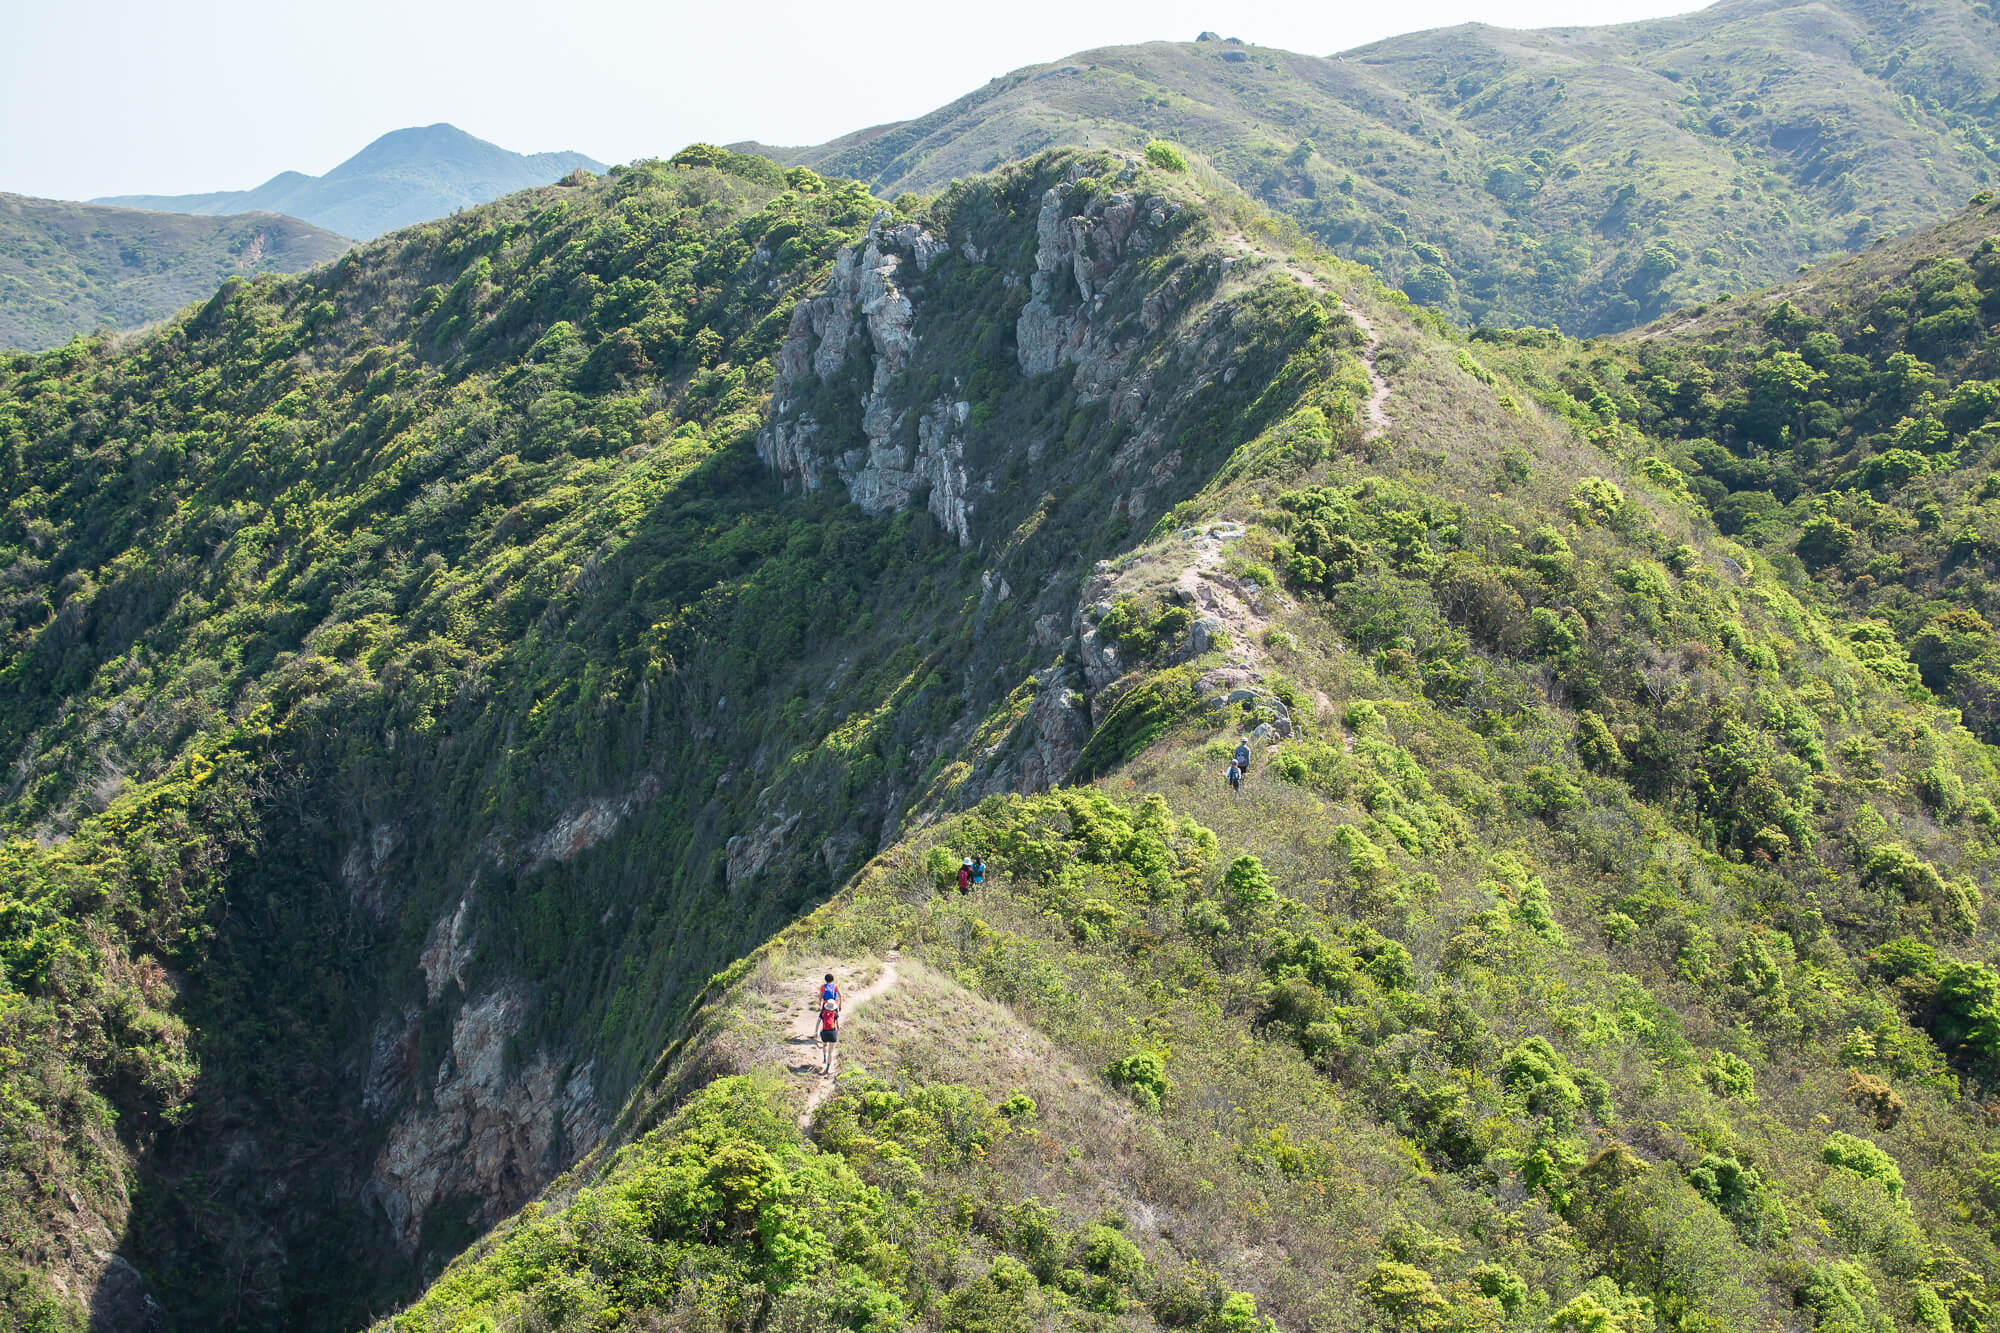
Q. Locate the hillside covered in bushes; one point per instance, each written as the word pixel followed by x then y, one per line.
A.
pixel 1587 178
pixel 1600 942
pixel 459 700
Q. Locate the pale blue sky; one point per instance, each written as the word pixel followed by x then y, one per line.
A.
pixel 174 96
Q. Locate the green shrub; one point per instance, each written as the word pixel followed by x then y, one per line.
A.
pixel 941 867
pixel 1732 1077
pixel 1165 156
pixel 1595 500
pixel 1248 884
pixel 1864 1159
pixel 1143 1074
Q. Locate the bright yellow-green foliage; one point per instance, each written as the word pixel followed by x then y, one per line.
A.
pixel 896 1212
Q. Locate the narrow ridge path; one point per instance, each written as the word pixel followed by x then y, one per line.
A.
pixel 1376 411
pixel 807 1028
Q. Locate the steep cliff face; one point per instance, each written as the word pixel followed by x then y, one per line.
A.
pixel 490 1131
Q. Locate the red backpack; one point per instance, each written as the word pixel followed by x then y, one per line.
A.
pixel 829 1018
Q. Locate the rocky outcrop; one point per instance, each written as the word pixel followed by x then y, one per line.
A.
pixel 1084 244
pixel 866 324
pixel 749 853
pixel 583 827
pixel 1058 727
pixel 865 313
pixel 362 870
pixel 1242 689
pixel 489 1129
pixel 448 950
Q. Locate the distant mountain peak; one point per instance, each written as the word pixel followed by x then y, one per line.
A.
pixel 403 177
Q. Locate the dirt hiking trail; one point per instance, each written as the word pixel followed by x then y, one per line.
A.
pixel 1376 410
pixel 805 1028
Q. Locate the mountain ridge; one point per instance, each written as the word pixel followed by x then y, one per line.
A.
pixel 1693 155
pixel 426 670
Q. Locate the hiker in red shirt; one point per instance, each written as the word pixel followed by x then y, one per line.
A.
pixel 829 1033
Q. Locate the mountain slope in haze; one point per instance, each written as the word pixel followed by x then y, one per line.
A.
pixel 405 176
pixel 1589 177
pixel 1590 948
pixel 70 268
pixel 420 674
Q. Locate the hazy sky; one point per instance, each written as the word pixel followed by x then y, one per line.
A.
pixel 174 96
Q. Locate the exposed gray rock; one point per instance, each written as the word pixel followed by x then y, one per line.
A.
pixel 589 823
pixel 1225 679
pixel 838 849
pixel 1202 634
pixel 392 1063
pixel 448 950
pixel 490 1129
pixel 1101 663
pixel 865 311
pixel 750 853
pixel 1058 726
pixel 362 870
pixel 119 1301
pixel 869 309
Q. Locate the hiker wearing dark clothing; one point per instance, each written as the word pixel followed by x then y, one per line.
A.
pixel 965 876
pixel 1243 755
pixel 1235 778
pixel 829 1033
pixel 978 871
